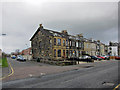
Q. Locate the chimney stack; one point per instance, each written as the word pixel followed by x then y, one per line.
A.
pixel 65 32
pixel 98 40
pixel 80 35
pixel 41 26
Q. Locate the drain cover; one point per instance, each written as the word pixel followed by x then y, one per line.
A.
pixel 108 83
pixel 88 66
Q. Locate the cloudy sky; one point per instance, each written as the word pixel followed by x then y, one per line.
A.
pixel 20 20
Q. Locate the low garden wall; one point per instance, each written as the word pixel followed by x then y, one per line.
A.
pixel 59 63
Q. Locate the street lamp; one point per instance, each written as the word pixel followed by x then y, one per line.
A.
pixel 3 34
pixel 27 51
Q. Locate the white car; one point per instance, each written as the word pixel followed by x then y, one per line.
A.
pixel 20 58
pixel 106 57
pixel 86 57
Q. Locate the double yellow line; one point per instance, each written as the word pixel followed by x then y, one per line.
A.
pixel 116 87
pixel 11 73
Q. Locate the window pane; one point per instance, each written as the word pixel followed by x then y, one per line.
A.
pixel 63 42
pixel 64 53
pixel 67 53
pixel 70 43
pixel 66 42
pixel 55 53
pixel 59 41
pixel 59 53
pixel 70 53
pixel 76 44
pixel 73 43
pixel 54 41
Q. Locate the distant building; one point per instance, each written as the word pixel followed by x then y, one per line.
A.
pixel 102 49
pixel 106 49
pixel 90 47
pixel 113 49
pixel 27 53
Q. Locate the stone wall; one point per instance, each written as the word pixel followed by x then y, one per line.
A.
pixel 42 46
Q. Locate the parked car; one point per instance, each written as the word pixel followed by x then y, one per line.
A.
pixel 86 58
pixel 106 57
pixel 20 58
pixel 95 58
pixel 13 56
pixel 117 57
pixel 101 57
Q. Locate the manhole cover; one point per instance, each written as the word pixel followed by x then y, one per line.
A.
pixel 75 69
pixel 87 66
pixel 108 83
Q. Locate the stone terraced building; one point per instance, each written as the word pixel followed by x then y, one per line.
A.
pixel 49 44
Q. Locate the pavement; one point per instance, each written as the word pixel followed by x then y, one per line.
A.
pixel 102 74
pixel 5 71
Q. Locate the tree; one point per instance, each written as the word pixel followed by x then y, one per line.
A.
pixel 17 51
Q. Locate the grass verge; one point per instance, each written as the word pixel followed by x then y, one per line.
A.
pixel 0 61
pixel 4 62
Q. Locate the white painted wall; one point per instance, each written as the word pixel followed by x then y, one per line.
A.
pixel 27 57
pixel 114 50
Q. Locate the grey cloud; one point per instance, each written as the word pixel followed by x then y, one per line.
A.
pixel 21 20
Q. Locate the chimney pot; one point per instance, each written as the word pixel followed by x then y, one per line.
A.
pixel 41 26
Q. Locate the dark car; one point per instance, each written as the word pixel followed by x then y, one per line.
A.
pixel 13 57
pixel 86 58
pixel 95 58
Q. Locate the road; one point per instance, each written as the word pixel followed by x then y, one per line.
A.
pixel 31 68
pixel 103 75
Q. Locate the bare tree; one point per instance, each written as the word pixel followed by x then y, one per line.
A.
pixel 17 51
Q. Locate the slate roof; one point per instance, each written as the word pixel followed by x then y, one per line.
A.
pixel 59 34
pixel 54 33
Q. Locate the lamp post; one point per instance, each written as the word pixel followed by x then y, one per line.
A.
pixel 27 51
pixel 3 34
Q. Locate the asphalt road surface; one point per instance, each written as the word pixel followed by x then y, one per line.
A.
pixel 103 75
